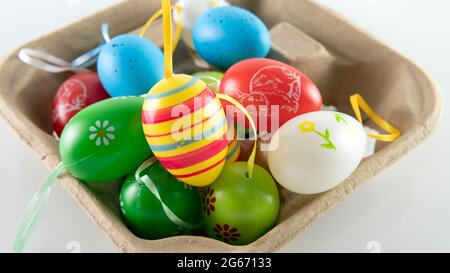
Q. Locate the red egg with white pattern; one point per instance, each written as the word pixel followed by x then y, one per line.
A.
pixel 273 92
pixel 75 94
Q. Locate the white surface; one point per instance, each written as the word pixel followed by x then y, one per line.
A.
pixel 406 208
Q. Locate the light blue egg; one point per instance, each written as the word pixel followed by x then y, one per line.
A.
pixel 130 65
pixel 224 36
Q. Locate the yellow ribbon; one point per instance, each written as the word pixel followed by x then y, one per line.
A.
pixel 251 160
pixel 168 72
pixel 158 14
pixel 214 3
pixel 358 103
pixel 167 34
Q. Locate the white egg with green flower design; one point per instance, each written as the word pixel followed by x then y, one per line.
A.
pixel 315 152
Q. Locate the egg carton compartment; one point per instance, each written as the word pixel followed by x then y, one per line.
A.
pixel 340 58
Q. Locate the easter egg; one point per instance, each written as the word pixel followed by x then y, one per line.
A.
pixel 238 209
pixel 234 147
pixel 186 127
pixel 144 213
pixel 315 152
pixel 105 141
pixel 130 65
pixel 76 93
pixel 273 92
pixel 224 36
pixel 211 78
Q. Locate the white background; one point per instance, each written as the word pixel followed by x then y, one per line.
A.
pixel 404 209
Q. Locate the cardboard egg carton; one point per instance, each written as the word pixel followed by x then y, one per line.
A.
pixel 340 58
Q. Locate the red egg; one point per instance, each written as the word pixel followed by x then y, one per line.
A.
pixel 76 93
pixel 273 92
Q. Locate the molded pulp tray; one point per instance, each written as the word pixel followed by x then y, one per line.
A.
pixel 340 58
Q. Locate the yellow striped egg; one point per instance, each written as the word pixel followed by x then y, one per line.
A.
pixel 186 128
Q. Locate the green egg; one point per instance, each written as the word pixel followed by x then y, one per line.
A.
pixel 238 209
pixel 105 141
pixel 143 211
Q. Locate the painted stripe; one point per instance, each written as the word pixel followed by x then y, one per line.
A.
pixel 200 166
pixel 235 157
pixel 200 172
pixel 169 84
pixel 168 126
pixel 165 114
pixel 193 158
pixel 188 134
pixel 233 151
pixel 190 83
pixel 195 146
pixel 188 127
pixel 175 99
pixel 199 137
pixel 231 145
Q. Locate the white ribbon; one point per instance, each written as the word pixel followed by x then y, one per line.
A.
pixel 152 187
pixel 44 61
pixel 50 63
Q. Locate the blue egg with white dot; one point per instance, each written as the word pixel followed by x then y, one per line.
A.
pixel 129 65
pixel 226 35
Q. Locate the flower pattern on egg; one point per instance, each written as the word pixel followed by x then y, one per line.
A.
pixel 340 118
pixel 102 133
pixel 307 127
pixel 226 233
pixel 310 127
pixel 208 201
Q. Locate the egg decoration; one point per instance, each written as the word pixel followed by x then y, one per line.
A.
pixel 226 35
pixel 272 91
pixel 237 209
pixel 211 78
pixel 130 65
pixel 144 213
pixel 234 147
pixel 315 152
pixel 76 93
pixel 190 11
pixel 186 127
pixel 105 141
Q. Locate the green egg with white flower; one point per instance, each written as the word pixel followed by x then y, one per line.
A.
pixel 105 141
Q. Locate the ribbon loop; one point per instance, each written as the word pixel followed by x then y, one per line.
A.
pixel 105 33
pixel 86 60
pixel 90 58
pixel 251 160
pixel 358 103
pixel 50 63
pixel 44 61
pixel 152 187
pixel 35 209
pixel 158 14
